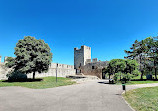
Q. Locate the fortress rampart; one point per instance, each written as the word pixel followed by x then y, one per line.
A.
pixel 82 65
pixel 62 70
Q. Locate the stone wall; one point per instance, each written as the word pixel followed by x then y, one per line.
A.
pixel 81 56
pixel 87 54
pixel 3 71
pixel 94 68
pixel 62 70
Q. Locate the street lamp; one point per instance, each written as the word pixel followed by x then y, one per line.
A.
pixel 56 72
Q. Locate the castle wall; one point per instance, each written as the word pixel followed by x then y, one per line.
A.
pixel 62 71
pixel 94 68
pixel 3 71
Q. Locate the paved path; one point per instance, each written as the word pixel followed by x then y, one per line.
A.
pixel 89 96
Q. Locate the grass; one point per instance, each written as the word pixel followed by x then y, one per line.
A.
pixel 138 82
pixel 138 77
pixel 143 99
pixel 47 82
pixel 144 77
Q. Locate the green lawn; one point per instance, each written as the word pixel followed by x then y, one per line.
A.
pixel 48 82
pixel 143 99
pixel 138 82
pixel 144 77
pixel 138 77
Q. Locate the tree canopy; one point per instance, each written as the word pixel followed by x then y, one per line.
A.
pixel 146 53
pixel 122 67
pixel 32 56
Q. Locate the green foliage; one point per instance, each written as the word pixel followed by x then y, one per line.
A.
pixel 146 53
pixel 116 76
pixel 116 65
pixel 127 76
pixel 16 76
pixel 131 65
pixel 10 62
pixel 136 73
pixel 122 69
pixel 32 55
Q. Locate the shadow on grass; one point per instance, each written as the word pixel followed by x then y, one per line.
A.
pixel 27 80
pixel 106 83
pixel 144 80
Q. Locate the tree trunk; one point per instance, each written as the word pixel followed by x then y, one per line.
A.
pixel 142 73
pixel 155 69
pixel 120 77
pixel 155 73
pixel 109 76
pixel 141 68
pixel 34 75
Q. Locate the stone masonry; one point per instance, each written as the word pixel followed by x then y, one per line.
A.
pixel 81 57
pixel 62 70
pixel 84 65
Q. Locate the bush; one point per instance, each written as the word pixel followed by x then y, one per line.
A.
pixel 16 76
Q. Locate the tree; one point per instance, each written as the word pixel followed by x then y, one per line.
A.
pixel 152 44
pixel 32 56
pixel 123 68
pixel 10 62
pixel 131 65
pixel 133 53
pixel 116 65
pixel 147 52
pixel 138 52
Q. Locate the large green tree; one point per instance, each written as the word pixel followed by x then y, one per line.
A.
pixel 32 56
pixel 152 44
pixel 122 67
pixel 138 52
pixel 146 53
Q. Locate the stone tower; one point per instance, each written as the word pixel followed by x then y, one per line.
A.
pixel 81 56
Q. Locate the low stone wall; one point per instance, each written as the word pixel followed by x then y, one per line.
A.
pixel 62 70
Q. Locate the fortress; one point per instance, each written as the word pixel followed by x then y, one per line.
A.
pixel 82 66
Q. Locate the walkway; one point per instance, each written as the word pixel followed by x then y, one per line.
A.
pixel 89 96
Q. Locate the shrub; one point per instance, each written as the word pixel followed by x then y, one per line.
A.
pixel 16 76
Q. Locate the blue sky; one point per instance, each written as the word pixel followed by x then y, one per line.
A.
pixel 107 26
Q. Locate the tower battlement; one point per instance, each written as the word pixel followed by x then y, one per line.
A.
pixel 81 56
